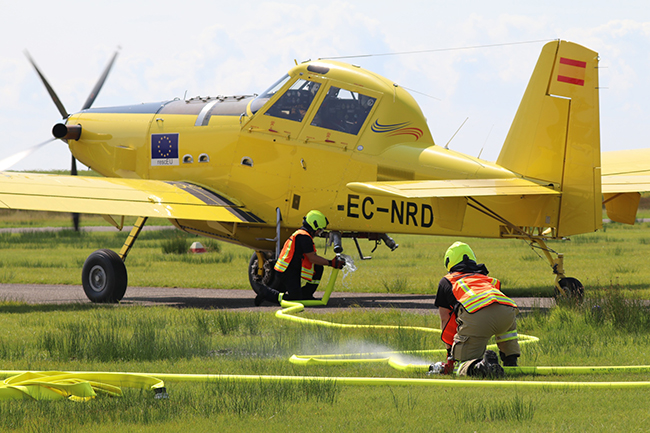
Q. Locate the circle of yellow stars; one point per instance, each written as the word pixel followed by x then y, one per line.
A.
pixel 165 153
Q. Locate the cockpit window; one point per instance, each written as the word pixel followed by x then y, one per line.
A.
pixel 268 94
pixel 295 102
pixel 343 110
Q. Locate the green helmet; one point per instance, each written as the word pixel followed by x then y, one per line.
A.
pixel 456 253
pixel 316 220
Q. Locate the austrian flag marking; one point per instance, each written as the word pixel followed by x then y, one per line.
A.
pixel 571 71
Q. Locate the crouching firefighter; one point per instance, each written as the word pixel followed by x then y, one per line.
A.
pixel 298 261
pixel 472 310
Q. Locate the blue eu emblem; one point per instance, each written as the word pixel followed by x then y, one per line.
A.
pixel 164 149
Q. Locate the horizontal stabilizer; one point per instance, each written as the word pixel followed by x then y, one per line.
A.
pixel 453 188
pixel 626 183
pixel 625 175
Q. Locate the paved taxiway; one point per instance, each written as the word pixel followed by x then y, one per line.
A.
pixel 230 299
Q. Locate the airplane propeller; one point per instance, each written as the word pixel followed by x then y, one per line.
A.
pixel 69 132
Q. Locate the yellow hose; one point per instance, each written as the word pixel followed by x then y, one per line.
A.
pixel 84 385
pixel 289 308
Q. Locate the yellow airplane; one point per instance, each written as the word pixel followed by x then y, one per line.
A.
pixel 350 143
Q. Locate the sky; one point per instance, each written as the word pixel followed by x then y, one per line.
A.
pixel 170 49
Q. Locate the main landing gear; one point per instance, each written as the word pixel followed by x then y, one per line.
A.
pixel 104 275
pixel 260 274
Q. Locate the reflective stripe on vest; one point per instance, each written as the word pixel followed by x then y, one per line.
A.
pixel 476 291
pixel 286 255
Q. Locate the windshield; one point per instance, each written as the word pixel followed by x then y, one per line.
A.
pixel 295 102
pixel 268 94
pixel 343 110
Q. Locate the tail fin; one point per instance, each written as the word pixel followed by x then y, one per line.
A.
pixel 555 136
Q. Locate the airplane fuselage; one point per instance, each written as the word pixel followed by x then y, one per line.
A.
pixel 295 148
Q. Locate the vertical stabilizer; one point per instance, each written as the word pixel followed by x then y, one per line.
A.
pixel 555 136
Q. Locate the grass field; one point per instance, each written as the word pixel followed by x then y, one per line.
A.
pixel 167 340
pixel 612 327
pixel 611 257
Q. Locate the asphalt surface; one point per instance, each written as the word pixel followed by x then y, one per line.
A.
pixel 231 299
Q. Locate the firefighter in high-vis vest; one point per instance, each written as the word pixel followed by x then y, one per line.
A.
pixel 473 309
pixel 298 261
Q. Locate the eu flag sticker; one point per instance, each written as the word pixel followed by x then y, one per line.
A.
pixel 164 149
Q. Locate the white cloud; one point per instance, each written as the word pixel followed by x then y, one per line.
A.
pixel 204 47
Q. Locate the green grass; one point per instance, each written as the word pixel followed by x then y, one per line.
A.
pixel 612 256
pixel 167 340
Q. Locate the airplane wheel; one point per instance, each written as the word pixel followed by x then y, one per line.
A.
pixel 572 288
pixel 104 276
pixel 254 279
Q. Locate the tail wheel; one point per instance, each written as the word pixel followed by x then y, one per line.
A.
pixel 104 276
pixel 571 288
pixel 254 278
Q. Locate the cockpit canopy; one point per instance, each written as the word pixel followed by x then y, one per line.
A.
pixel 340 109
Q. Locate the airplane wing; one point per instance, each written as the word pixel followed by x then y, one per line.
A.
pixel 625 174
pixel 110 196
pixel 453 188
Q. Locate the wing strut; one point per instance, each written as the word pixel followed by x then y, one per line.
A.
pixel 130 240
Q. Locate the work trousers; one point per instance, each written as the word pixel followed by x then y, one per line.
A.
pixel 290 284
pixel 475 329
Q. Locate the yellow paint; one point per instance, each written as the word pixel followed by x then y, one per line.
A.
pixel 377 170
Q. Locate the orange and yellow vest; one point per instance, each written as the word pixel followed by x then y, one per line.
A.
pixel 473 291
pixel 289 248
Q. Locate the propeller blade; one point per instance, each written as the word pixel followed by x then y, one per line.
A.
pixel 73 167
pixel 49 88
pixel 100 83
pixel 75 216
pixel 12 160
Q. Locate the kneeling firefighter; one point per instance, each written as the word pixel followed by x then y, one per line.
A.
pixel 298 261
pixel 472 310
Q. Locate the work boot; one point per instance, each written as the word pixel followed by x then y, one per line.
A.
pixel 510 360
pixel 488 366
pixel 267 294
pixel 258 300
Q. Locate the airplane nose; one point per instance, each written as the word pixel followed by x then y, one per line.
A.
pixel 66 132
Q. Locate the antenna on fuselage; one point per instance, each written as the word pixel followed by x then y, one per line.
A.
pixel 452 137
pixel 485 142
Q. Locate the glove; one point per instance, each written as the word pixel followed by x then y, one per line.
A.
pixel 337 262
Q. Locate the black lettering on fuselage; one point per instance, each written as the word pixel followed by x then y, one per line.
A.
pixel 352 205
pixel 363 208
pixel 415 214
pixel 411 211
pixel 427 215
pixel 395 212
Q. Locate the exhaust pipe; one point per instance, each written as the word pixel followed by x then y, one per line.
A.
pixel 66 132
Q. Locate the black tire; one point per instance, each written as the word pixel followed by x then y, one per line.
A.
pixel 254 279
pixel 104 277
pixel 572 288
